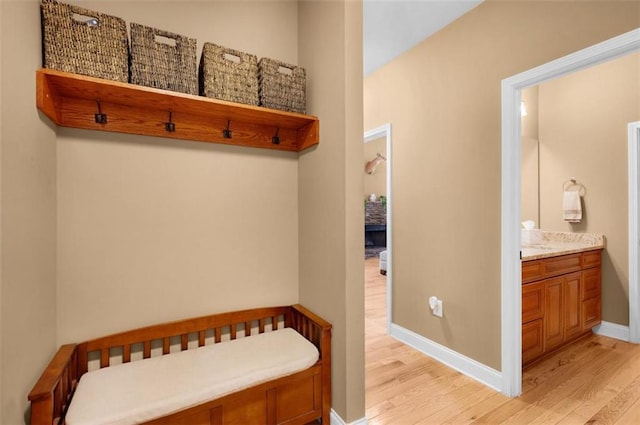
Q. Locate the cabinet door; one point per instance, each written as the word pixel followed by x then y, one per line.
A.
pixel 532 340
pixel 553 317
pixel 572 305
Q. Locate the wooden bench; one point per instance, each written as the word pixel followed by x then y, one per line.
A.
pixel 298 398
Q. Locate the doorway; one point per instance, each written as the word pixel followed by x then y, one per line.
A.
pixel 511 192
pixel 381 136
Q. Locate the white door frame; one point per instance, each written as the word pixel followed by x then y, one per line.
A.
pixel 510 234
pixel 634 231
pixel 376 133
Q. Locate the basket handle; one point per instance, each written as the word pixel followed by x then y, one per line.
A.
pixel 228 56
pixel 161 39
pixel 165 37
pixel 285 69
pixel 232 55
pixel 82 16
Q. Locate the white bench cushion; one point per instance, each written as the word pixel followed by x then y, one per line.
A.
pixel 142 390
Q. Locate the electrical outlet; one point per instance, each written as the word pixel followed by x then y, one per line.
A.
pixel 437 311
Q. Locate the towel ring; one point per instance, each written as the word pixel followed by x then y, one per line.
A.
pixel 572 182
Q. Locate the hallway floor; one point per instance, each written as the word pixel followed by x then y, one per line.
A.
pixel 594 381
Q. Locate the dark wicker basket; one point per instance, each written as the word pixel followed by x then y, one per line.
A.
pixel 282 86
pixel 163 60
pixel 228 74
pixel 85 42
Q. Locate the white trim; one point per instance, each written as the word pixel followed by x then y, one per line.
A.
pixel 510 267
pixel 376 133
pixel 612 330
pixel 335 419
pixel 634 232
pixel 463 364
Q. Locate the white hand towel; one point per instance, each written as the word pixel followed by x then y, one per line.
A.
pixel 571 206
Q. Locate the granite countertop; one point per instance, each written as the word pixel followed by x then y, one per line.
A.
pixel 543 244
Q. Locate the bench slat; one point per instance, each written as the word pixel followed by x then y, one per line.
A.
pixel 184 341
pixel 126 355
pixel 104 358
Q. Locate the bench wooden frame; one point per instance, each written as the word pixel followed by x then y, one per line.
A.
pixel 299 398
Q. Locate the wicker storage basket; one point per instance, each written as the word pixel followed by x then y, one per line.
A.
pixel 163 60
pixel 282 86
pixel 84 42
pixel 228 74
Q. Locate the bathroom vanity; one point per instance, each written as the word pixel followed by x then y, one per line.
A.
pixel 561 291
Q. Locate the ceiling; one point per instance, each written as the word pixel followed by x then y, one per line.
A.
pixel 391 27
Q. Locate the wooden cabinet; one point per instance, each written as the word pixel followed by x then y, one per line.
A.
pixel 560 301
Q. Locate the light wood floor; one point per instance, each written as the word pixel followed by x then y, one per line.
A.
pixel 594 381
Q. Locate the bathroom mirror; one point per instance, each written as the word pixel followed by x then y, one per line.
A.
pixel 530 166
pixel 530 181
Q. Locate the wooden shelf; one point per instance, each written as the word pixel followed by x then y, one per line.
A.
pixel 72 100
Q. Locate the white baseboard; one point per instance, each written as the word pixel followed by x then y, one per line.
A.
pixel 612 330
pixel 463 364
pixel 337 420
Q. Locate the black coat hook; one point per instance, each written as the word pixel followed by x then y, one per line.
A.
pixel 227 133
pixel 170 126
pixel 276 139
pixel 100 117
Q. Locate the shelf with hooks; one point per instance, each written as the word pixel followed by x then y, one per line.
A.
pixel 78 101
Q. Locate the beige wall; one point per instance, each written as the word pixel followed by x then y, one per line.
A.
pixel 28 196
pixel 443 99
pixel 104 231
pixel 583 134
pixel 377 181
pixel 154 229
pixel 331 213
pixel 1 126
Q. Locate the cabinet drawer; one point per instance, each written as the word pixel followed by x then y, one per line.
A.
pixel 591 259
pixel 532 340
pixel 560 265
pixel 591 283
pixel 532 301
pixel 591 313
pixel 531 270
